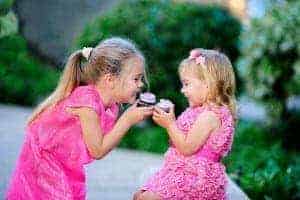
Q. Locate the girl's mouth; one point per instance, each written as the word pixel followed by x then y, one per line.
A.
pixel 137 94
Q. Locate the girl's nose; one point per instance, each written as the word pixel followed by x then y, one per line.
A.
pixel 141 84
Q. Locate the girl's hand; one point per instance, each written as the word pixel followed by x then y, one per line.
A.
pixel 136 114
pixel 77 111
pixel 163 118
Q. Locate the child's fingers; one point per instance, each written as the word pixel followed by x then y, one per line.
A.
pixel 157 115
pixel 158 110
pixel 173 108
pixel 161 113
pixel 147 113
pixel 70 110
pixel 149 108
pixel 146 109
pixel 135 103
pixel 154 118
pixel 172 112
pixel 133 106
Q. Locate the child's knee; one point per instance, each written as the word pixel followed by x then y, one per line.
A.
pixel 137 195
pixel 147 195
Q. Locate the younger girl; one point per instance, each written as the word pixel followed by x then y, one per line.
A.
pixel 201 135
pixel 77 123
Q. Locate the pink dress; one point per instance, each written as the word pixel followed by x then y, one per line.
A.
pixel 52 159
pixel 200 176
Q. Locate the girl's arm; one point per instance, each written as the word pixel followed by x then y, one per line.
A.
pixel 98 144
pixel 198 134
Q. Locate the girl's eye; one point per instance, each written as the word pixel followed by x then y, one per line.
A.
pixel 185 84
pixel 139 78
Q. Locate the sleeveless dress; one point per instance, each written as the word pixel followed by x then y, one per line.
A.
pixel 52 159
pixel 200 176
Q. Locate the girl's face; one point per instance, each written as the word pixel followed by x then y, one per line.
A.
pixel 131 80
pixel 194 89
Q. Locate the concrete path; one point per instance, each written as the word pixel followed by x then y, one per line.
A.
pixel 116 177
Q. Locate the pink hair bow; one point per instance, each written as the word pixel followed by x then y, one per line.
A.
pixel 199 58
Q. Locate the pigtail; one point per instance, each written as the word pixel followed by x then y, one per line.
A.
pixel 69 80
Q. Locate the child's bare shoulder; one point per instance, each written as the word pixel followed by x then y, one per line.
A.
pixel 208 118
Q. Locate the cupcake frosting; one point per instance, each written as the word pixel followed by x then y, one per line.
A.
pixel 148 97
pixel 164 104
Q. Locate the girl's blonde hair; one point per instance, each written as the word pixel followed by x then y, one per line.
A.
pixel 216 70
pixel 82 69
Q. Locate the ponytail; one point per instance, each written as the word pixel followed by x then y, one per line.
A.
pixel 69 80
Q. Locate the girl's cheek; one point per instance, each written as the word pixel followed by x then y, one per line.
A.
pixel 132 100
pixel 187 90
pixel 183 89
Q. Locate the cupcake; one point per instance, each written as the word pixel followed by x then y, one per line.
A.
pixel 147 99
pixel 165 105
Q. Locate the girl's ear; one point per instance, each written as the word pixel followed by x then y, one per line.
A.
pixel 206 84
pixel 109 80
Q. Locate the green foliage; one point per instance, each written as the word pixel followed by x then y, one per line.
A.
pixel 23 78
pixel 270 54
pixel 165 32
pixel 261 166
pixel 5 6
pixel 146 138
pixel 270 50
pixel 8 20
pixel 8 24
pixel 270 66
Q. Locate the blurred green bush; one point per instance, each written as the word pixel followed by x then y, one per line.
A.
pixel 5 6
pixel 260 165
pixel 146 137
pixel 165 32
pixel 8 20
pixel 24 79
pixel 270 66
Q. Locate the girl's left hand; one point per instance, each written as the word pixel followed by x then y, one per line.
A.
pixel 77 111
pixel 163 118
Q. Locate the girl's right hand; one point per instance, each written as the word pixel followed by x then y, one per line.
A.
pixel 135 114
pixel 162 118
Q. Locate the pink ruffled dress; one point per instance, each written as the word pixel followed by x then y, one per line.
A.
pixel 200 176
pixel 52 159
